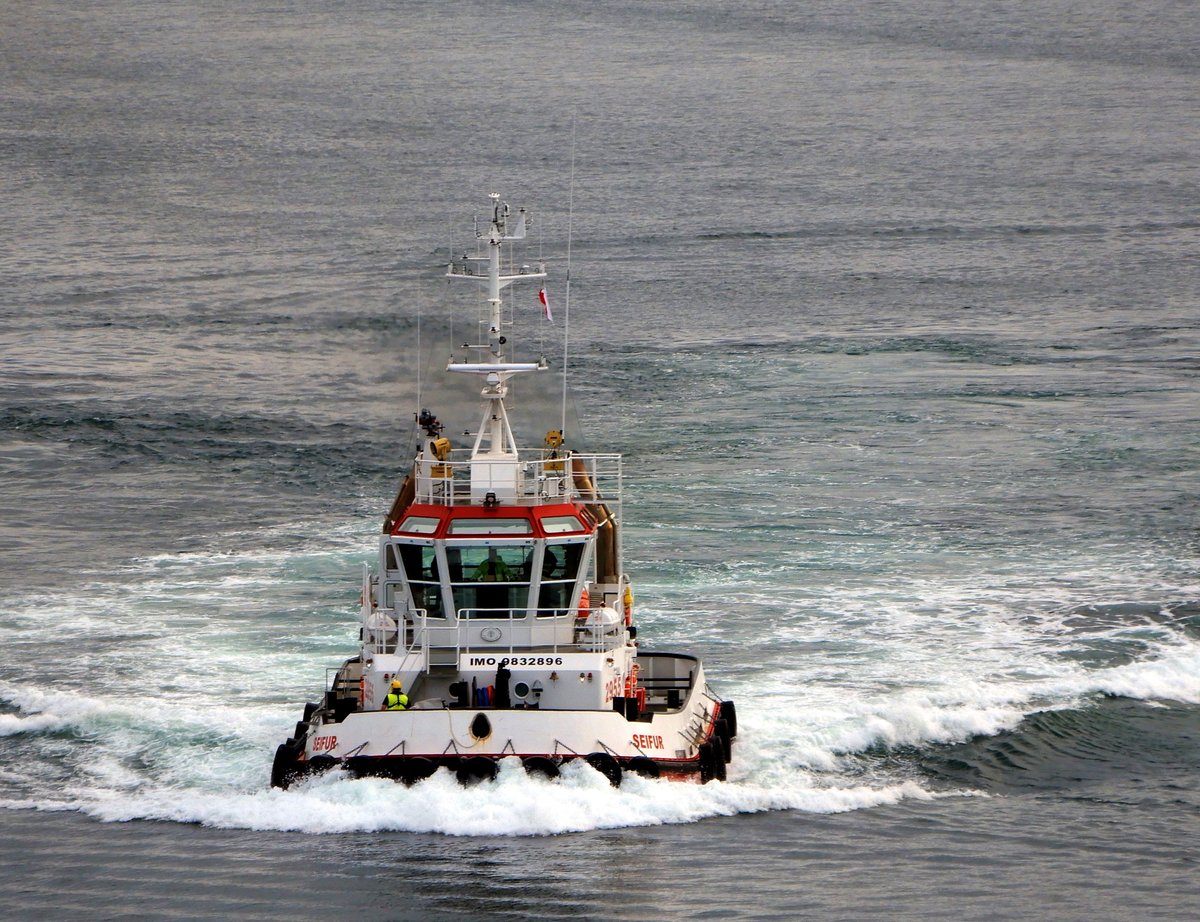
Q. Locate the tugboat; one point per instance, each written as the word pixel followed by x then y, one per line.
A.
pixel 500 623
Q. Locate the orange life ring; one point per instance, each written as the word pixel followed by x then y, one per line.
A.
pixel 585 604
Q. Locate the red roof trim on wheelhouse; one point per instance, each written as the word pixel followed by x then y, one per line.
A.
pixel 550 520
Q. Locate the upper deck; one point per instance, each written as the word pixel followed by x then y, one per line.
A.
pixel 535 477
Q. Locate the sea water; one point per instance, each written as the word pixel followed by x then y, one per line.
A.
pixel 893 314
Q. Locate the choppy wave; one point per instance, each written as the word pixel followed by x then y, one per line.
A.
pixel 945 230
pixel 1109 743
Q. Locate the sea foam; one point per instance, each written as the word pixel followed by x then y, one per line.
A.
pixel 512 805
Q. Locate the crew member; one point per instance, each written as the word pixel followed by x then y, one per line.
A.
pixel 396 699
pixel 493 569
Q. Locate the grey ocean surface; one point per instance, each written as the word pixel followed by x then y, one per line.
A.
pixel 893 309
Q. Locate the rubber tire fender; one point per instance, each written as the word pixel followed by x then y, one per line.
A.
pixel 368 767
pixel 729 712
pixel 721 733
pixel 540 765
pixel 644 766
pixel 286 766
pixel 705 760
pixel 474 769
pixel 716 755
pixel 606 765
pixel 416 768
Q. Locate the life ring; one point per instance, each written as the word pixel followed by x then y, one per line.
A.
pixel 585 604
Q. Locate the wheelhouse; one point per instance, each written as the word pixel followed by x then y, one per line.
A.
pixel 478 563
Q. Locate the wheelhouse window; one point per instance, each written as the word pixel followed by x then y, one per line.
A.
pixel 490 527
pixel 419 525
pixel 490 582
pixel 562 524
pixel 560 568
pixel 424 580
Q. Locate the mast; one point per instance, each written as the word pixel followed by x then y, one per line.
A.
pixel 494 455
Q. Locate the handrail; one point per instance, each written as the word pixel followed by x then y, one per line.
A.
pixel 466 270
pixel 396 641
pixel 540 476
pixel 521 634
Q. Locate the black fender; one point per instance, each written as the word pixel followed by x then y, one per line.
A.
pixel 644 766
pixel 716 756
pixel 729 712
pixel 706 769
pixel 474 769
pixel 416 768
pixel 540 765
pixel 286 766
pixel 725 741
pixel 606 765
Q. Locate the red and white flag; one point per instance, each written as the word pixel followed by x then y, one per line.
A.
pixel 545 304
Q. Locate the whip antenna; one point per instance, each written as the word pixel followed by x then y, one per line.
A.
pixel 567 296
pixel 420 355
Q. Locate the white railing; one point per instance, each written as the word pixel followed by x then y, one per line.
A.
pixel 515 632
pixel 378 641
pixel 537 478
pixel 479 269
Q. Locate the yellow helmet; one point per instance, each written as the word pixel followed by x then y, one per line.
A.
pixel 396 684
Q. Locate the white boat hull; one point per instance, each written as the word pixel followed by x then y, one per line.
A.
pixel 691 741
